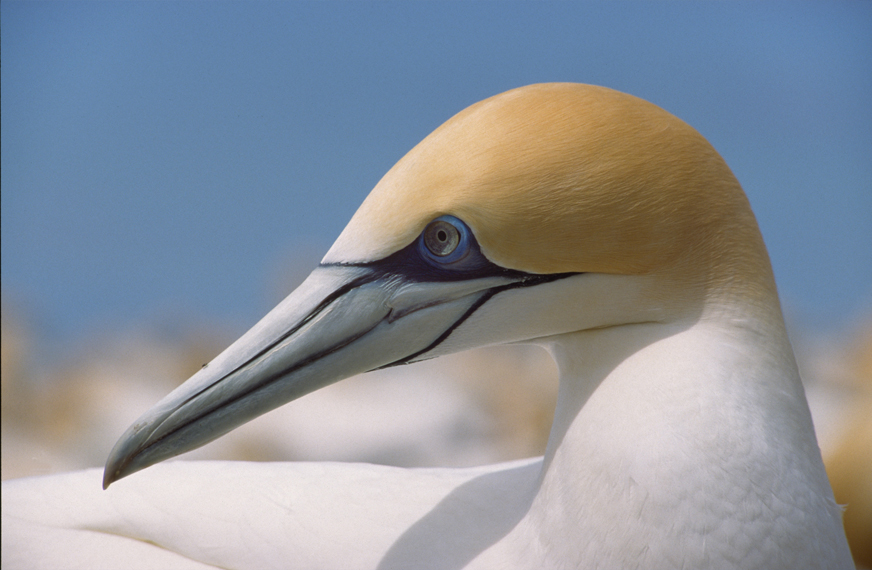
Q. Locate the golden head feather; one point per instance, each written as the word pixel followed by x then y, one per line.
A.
pixel 567 177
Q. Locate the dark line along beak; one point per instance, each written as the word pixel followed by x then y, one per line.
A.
pixel 343 320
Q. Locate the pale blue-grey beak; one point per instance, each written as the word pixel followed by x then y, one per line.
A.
pixel 343 320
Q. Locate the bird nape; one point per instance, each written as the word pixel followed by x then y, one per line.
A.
pixel 570 216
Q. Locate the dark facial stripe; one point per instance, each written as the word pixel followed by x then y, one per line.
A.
pixel 407 265
pixel 489 294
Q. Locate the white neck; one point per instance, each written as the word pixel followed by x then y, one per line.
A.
pixel 680 445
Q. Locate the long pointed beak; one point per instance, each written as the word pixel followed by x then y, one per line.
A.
pixel 343 320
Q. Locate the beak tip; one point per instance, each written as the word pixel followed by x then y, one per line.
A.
pixel 125 458
pixel 113 471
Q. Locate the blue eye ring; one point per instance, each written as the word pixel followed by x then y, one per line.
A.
pixel 446 240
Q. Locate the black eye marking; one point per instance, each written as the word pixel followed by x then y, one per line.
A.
pixel 446 250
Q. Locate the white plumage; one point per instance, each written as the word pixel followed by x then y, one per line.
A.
pixel 570 216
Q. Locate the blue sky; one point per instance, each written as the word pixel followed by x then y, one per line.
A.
pixel 184 161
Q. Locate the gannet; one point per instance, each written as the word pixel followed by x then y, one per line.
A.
pixel 575 217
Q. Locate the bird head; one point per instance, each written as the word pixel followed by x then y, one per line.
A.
pixel 541 211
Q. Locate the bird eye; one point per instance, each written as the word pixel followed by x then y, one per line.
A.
pixel 441 238
pixel 446 240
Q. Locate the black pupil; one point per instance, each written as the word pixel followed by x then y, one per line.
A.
pixel 441 238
